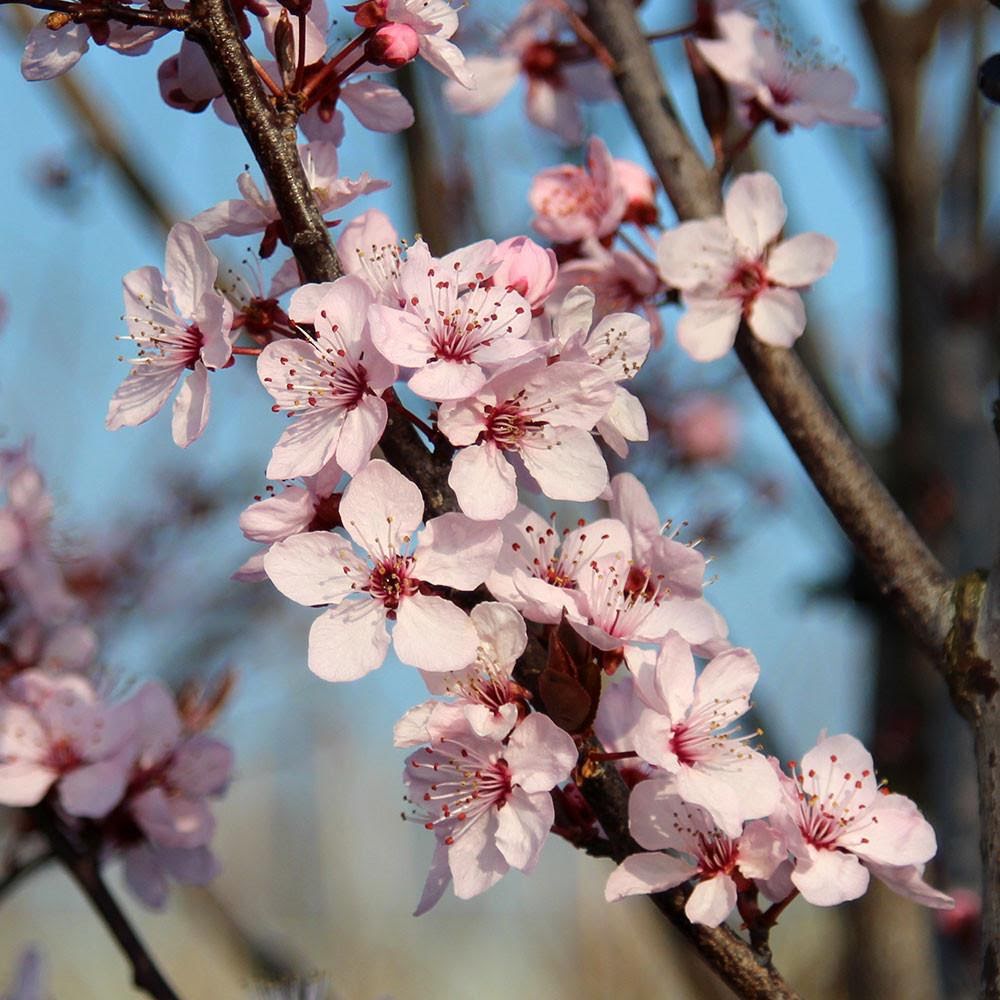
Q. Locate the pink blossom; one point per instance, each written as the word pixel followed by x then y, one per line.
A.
pixel 573 203
pixel 377 105
pixel 179 323
pixel 770 85
pixel 618 345
pixel 660 820
pixel 527 268
pixel 733 267
pixel 537 564
pixel 57 729
pixel 680 567
pixel 330 384
pixel 617 604
pixel 148 867
pixel 487 802
pixel 392 45
pixel 187 80
pixel 453 328
pixel 688 730
pixel 541 414
pixel 703 427
pixel 29 570
pixel 558 76
pixel 483 696
pixel 295 509
pixel 256 212
pixel 841 826
pixel 380 511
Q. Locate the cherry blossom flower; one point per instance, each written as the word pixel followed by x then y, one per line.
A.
pixel 618 345
pixel 558 75
pixel 841 827
pixel 721 863
pixel 256 212
pixel 380 511
pixel 703 427
pixel 57 729
pixel 331 384
pixel 573 203
pixel 483 696
pixel 453 327
pixel 30 574
pixel 640 192
pixel 148 868
pixel 487 802
pixel 540 413
pixel 732 267
pixel 527 268
pixel 179 322
pixel 688 730
pixel 680 567
pixel 617 604
pixel 769 84
pixel 537 564
pixel 313 506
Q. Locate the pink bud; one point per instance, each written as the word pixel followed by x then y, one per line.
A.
pixel 527 268
pixel 703 428
pixel 392 45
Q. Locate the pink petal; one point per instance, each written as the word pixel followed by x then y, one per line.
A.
pixel 568 464
pixel 645 873
pixel 49 54
pixel 202 766
pixel 907 881
pixel 522 826
pixel 191 268
pixel 309 568
pixel 433 634
pixel 191 407
pixel 801 260
pixel 438 880
pixel 696 254
pixel 711 901
pixel 363 426
pixel 447 380
pixel 278 517
pixel 557 110
pixel 708 329
pixel 381 508
pixel 755 211
pixel 234 217
pixel 484 482
pixel 190 866
pixel 455 551
pixel 173 820
pixel 540 754
pixel 377 106
pixel 475 861
pixel 141 396
pixel 24 783
pixel 95 789
pixel 727 680
pixel 348 641
pixel 494 79
pixel 145 876
pixel 830 877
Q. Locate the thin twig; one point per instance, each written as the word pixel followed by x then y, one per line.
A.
pixel 171 20
pixel 83 867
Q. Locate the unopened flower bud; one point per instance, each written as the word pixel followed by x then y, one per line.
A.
pixel 284 48
pixel 392 45
pixel 527 268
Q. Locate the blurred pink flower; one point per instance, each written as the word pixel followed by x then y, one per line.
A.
pixel 703 427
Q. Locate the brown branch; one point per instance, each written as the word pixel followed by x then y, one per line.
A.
pixel 80 13
pixel 83 868
pixel 905 569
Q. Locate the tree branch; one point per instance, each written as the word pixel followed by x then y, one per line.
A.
pixel 906 571
pixel 85 13
pixel 83 867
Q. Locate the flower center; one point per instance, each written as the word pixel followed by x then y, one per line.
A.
pixel 390 581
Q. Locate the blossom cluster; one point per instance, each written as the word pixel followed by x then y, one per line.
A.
pixel 512 361
pixel 135 771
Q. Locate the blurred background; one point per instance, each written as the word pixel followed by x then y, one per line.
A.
pixel 319 873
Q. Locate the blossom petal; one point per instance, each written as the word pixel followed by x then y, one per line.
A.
pixel 377 105
pixel 755 211
pixel 801 260
pixel 310 568
pixel 522 826
pixel 438 880
pixel 348 641
pixel 191 268
pixel 191 407
pixel 455 551
pixel 381 508
pixel 645 873
pixel 711 901
pixel 433 634
pixel 484 482
pixel 708 329
pixel 540 754
pixel 827 878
